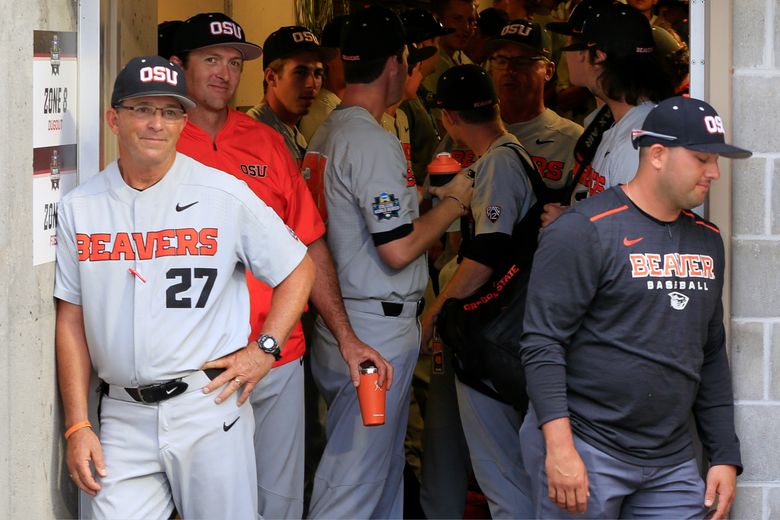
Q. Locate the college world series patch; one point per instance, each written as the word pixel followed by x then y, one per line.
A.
pixel 386 206
pixel 492 213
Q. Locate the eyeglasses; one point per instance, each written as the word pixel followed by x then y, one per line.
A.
pixel 147 112
pixel 500 62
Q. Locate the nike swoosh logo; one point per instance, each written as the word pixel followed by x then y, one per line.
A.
pixel 171 390
pixel 182 208
pixel 544 141
pixel 227 427
pixel 629 243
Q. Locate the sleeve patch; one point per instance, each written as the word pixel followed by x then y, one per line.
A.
pixel 386 206
pixel 493 213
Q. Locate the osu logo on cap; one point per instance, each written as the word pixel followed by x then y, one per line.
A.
pixel 304 36
pixel 516 28
pixel 714 124
pixel 159 74
pixel 226 28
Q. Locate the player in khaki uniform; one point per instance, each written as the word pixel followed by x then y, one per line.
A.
pixel 212 59
pixel 152 294
pixel 502 197
pixel 378 240
pixel 292 63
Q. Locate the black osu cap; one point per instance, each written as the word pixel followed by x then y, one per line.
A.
pixel 577 17
pixel 150 76
pixel 420 25
pixel 331 33
pixel 209 29
pixel 526 33
pixel 465 87
pixel 166 32
pixel 491 21
pixel 370 34
pixel 617 29
pixel 418 54
pixel 687 122
pixel 287 41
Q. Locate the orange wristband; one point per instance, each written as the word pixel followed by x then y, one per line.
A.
pixel 79 425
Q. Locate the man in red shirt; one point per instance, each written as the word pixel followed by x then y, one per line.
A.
pixel 211 48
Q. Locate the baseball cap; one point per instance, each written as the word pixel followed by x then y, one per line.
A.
pixel 687 122
pixel 617 29
pixel 150 76
pixel 577 17
pixel 527 34
pixel 370 34
pixel 287 41
pixel 491 21
pixel 166 31
pixel 465 87
pixel 209 29
pixel 418 54
pixel 331 33
pixel 420 25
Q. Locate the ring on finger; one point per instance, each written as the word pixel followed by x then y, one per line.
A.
pixel 237 381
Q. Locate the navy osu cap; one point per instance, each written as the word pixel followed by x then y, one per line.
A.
pixel 372 33
pixel 687 122
pixel 465 87
pixel 150 76
pixel 210 29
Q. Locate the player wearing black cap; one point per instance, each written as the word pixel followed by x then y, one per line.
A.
pixel 333 83
pixel 152 256
pixel 502 197
pixel 378 241
pixel 615 369
pixel 293 73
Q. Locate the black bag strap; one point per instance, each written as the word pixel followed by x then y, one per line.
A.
pixel 587 144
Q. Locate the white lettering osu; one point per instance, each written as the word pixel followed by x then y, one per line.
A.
pixel 226 28
pixel 304 36
pixel 714 124
pixel 159 74
pixel 522 30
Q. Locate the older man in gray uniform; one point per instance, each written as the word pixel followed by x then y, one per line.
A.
pixel 520 67
pixel 379 241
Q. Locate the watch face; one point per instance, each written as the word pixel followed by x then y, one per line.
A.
pixel 268 343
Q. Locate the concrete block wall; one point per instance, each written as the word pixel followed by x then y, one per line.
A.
pixel 32 479
pixel 755 242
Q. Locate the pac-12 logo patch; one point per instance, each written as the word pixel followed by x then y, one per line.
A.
pixel 493 212
pixel 679 300
pixel 386 206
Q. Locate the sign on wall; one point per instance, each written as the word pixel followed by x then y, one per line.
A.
pixel 55 76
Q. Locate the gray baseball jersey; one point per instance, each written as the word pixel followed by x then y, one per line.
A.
pixel 158 273
pixel 549 139
pixel 293 138
pixel 502 193
pixel 616 159
pixel 369 198
pixel 502 196
pixel 370 202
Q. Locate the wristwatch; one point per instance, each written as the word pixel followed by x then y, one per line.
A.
pixel 269 345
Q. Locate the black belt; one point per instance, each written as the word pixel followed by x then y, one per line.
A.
pixel 394 309
pixel 157 392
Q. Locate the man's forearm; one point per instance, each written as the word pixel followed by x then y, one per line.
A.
pixel 468 277
pixel 288 301
pixel 74 366
pixel 326 292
